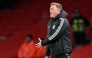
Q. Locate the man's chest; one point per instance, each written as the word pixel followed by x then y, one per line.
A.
pixel 52 26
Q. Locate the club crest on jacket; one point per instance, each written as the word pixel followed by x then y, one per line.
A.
pixel 53 26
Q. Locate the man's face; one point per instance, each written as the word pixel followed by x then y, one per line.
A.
pixel 76 14
pixel 54 11
pixel 28 39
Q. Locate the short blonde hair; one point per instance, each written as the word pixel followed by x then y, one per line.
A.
pixel 58 5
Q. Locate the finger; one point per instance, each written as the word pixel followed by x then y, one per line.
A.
pixel 37 45
pixel 40 47
pixel 39 39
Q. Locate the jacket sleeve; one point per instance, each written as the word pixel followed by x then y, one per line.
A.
pixel 47 53
pixel 58 33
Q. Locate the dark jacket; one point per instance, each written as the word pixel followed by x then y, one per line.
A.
pixel 58 40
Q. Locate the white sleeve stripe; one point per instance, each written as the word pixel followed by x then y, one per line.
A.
pixel 57 31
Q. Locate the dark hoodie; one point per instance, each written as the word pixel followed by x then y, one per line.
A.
pixel 58 38
pixel 62 14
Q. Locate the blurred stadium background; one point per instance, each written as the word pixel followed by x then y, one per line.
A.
pixel 18 18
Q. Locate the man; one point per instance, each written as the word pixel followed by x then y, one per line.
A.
pixel 28 49
pixel 79 24
pixel 58 43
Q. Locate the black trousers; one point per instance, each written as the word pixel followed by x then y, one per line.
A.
pixel 68 55
pixel 80 37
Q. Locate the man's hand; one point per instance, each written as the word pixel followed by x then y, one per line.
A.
pixel 46 56
pixel 39 45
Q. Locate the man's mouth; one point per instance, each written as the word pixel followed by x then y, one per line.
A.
pixel 50 13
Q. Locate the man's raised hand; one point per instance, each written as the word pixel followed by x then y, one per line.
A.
pixel 39 45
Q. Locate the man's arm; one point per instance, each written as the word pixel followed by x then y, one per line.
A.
pixel 58 33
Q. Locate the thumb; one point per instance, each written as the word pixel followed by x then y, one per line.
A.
pixel 39 39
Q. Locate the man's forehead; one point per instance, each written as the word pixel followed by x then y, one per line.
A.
pixel 53 6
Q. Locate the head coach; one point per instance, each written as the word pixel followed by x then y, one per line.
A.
pixel 58 42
